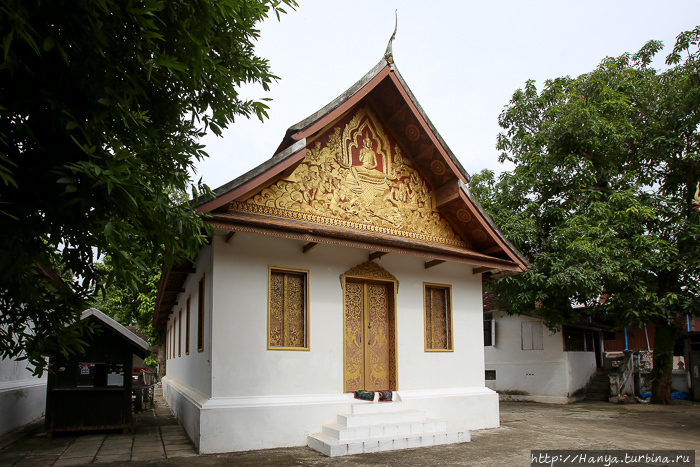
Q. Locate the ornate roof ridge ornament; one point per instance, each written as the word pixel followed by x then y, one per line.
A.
pixel 389 54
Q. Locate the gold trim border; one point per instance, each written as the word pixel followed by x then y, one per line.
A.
pixel 365 279
pixel 307 324
pixel 448 287
pixel 323 220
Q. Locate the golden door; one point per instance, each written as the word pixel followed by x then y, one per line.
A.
pixel 370 357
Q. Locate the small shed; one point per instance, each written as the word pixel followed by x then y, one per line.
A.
pixel 92 390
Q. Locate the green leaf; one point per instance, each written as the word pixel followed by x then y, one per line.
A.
pixel 6 41
pixel 600 196
pixel 109 139
pixel 49 44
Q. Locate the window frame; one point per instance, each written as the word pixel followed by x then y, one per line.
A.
pixel 307 333
pixel 579 341
pixel 448 317
pixel 170 342
pixel 200 313
pixel 490 336
pixel 187 326
pixel 179 334
pixel 536 335
pixel 172 337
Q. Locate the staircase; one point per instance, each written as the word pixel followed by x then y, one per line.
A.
pixel 382 426
pixel 599 390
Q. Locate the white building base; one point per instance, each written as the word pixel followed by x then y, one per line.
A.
pixel 231 424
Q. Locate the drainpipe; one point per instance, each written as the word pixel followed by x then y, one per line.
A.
pixel 687 321
pixel 647 336
pixel 627 347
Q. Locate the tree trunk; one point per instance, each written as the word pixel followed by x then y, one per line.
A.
pixel 664 341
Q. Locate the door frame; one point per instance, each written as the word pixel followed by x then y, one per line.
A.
pixel 369 271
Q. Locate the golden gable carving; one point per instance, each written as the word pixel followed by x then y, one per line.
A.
pixel 357 181
pixel 370 270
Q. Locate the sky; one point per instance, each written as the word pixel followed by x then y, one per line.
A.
pixel 463 60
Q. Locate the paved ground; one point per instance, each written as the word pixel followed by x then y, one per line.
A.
pixel 159 440
pixel 157 437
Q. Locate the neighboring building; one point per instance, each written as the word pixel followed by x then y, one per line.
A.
pixel 22 396
pixel 686 360
pixel 351 260
pixel 525 361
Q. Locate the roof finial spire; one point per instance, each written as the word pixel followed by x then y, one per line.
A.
pixel 389 54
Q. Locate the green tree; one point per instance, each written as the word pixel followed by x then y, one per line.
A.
pixel 601 196
pixel 102 103
pixel 128 306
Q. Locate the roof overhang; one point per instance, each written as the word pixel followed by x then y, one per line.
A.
pixel 493 256
pixel 138 345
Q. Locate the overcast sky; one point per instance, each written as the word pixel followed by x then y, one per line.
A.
pixel 462 59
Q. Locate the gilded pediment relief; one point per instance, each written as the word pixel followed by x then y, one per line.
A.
pixel 355 176
pixel 370 270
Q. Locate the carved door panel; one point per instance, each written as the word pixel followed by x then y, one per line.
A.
pixel 354 336
pixel 369 336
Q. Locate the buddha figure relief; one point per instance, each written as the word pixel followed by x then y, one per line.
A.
pixel 365 180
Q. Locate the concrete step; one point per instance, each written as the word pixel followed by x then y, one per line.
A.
pixel 334 448
pixel 344 433
pixel 377 407
pixel 382 418
pixel 599 389
pixel 382 426
pixel 598 398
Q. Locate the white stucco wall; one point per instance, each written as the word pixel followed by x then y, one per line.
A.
pixel 187 384
pixel 263 398
pixel 240 321
pixel 193 370
pixel 243 365
pixel 582 368
pixel 547 375
pixel 22 396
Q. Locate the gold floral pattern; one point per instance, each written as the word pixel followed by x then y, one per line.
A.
pixel 357 179
pixel 370 270
pixel 287 309
pixel 354 333
pixel 437 318
pixel 370 357
pixel 379 339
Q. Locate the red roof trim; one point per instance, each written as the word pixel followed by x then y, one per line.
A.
pixel 492 233
pixel 427 129
pixel 342 108
pixel 253 183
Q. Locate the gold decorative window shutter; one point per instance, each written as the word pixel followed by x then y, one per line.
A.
pixel 287 309
pixel 438 317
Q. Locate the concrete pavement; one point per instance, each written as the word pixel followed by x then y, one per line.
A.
pixel 157 436
pixel 159 440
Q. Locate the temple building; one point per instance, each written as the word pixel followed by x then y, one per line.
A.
pixel 352 260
